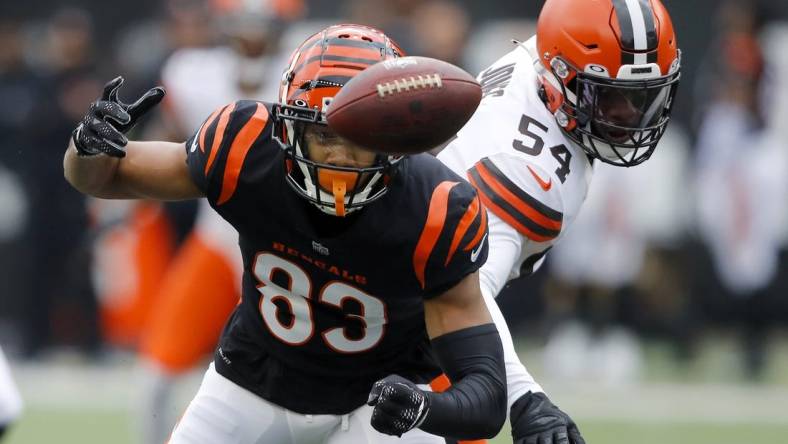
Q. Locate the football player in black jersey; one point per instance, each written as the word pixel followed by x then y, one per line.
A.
pixel 360 270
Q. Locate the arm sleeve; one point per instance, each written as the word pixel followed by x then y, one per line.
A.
pixel 506 245
pixel 474 407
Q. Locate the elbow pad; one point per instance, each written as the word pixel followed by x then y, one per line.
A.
pixel 474 407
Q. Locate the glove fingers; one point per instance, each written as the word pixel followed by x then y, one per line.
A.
pixel 401 394
pixel 111 89
pixel 574 436
pixel 106 110
pixel 546 438
pixel 384 424
pixel 374 393
pixel 145 103
pixel 561 437
pixel 107 147
pixel 106 132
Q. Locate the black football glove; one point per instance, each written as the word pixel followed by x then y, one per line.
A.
pixel 399 405
pixel 103 128
pixel 536 420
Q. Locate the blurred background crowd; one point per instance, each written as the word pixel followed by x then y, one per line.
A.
pixel 687 250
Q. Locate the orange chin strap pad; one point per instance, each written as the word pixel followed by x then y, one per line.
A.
pixel 339 182
pixel 339 196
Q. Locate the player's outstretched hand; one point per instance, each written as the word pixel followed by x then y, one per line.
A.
pixel 103 128
pixel 399 405
pixel 536 420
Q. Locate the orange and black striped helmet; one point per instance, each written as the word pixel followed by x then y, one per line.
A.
pixel 609 70
pixel 317 70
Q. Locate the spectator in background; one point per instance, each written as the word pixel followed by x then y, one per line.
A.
pixel 144 46
pixel 430 28
pixel 18 97
pixel 202 285
pixel 609 276
pixel 60 304
pixel 741 177
pixel 394 17
pixel 441 29
pixel 142 236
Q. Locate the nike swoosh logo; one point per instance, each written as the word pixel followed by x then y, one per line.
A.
pixel 545 185
pixel 475 253
pixel 193 146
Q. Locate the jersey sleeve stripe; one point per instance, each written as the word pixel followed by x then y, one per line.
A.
pixel 465 222
pixel 508 213
pixel 238 150
pixel 552 217
pixel 436 218
pixel 479 231
pixel 218 136
pixel 504 199
pixel 206 125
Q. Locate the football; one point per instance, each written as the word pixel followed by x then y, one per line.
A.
pixel 404 106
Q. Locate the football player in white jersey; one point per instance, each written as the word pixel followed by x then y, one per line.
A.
pixel 202 285
pixel 596 83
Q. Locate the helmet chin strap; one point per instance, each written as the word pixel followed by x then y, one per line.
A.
pixel 339 188
pixel 338 182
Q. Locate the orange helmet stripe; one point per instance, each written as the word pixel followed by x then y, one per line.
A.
pixel 638 35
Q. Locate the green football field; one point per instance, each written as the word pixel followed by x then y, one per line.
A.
pixel 70 401
pixel 42 426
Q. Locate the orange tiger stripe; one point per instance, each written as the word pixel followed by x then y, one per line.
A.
pixel 479 231
pixel 205 126
pixel 436 217
pixel 506 217
pixel 517 203
pixel 462 227
pixel 224 118
pixel 239 149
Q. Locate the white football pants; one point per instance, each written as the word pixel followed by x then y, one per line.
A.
pixel 223 412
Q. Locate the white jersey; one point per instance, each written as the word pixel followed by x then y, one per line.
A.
pixel 531 178
pixel 198 81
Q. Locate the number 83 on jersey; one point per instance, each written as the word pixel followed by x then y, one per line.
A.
pixel 296 325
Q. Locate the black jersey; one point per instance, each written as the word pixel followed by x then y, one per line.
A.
pixel 330 304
